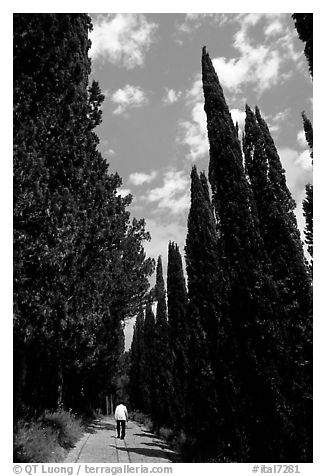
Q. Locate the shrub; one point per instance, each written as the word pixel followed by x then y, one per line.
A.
pixel 45 440
pixel 68 426
pixel 34 443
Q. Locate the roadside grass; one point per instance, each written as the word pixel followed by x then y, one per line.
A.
pixel 47 439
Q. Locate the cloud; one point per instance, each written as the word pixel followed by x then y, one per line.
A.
pixel 263 64
pixel 139 178
pixel 123 192
pixel 129 97
pixel 301 138
pixel 298 171
pixel 194 131
pixel 122 38
pixel 239 117
pixel 173 195
pixel 171 96
pixel 275 122
pixel 273 28
pixel 193 21
pixel 161 234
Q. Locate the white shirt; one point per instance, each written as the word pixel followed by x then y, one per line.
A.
pixel 121 413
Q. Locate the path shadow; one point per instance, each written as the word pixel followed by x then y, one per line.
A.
pixel 150 453
pixel 159 443
pixel 145 433
pixel 99 425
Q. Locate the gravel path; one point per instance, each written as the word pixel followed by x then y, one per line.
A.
pixel 100 445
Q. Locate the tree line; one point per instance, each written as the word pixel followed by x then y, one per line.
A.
pixel 228 359
pixel 79 264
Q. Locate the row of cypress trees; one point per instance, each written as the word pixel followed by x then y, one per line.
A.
pixel 230 360
pixel 79 263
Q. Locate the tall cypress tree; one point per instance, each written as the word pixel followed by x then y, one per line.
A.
pixel 178 330
pixel 253 292
pixel 307 204
pixel 163 376
pixel 277 221
pixel 212 350
pixel 137 364
pixel 282 241
pixel 150 360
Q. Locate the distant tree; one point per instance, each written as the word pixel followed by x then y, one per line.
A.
pixel 253 293
pixel 304 25
pixel 149 360
pixel 137 364
pixel 178 330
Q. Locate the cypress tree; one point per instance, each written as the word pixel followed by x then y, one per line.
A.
pixel 253 292
pixel 308 201
pixel 212 350
pixel 304 25
pixel 137 364
pixel 277 221
pixel 163 378
pixel 282 242
pixel 178 331
pixel 150 360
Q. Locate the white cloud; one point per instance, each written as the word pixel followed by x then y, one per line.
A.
pixel 273 28
pixel 301 138
pixel 195 133
pixel 239 117
pixel 194 130
pixel 123 192
pixel 122 38
pixel 233 72
pixel 260 64
pixel 171 96
pixel 161 234
pixel 139 178
pixel 128 98
pixel 298 171
pixel 173 195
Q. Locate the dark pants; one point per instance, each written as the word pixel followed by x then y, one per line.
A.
pixel 121 425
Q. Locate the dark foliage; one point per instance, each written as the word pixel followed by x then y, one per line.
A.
pixel 79 264
pixel 253 294
pixel 308 201
pixel 178 330
pixel 304 25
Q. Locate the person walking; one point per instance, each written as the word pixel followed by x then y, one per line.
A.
pixel 121 417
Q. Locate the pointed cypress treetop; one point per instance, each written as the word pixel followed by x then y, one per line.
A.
pixel 255 158
pixel 215 101
pixel 276 172
pixel 176 286
pixel 231 195
pixel 160 294
pixel 202 250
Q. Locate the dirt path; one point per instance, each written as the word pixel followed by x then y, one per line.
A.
pixel 100 445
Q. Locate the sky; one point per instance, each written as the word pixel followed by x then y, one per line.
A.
pixel 154 126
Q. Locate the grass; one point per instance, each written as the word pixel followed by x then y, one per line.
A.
pixel 47 439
